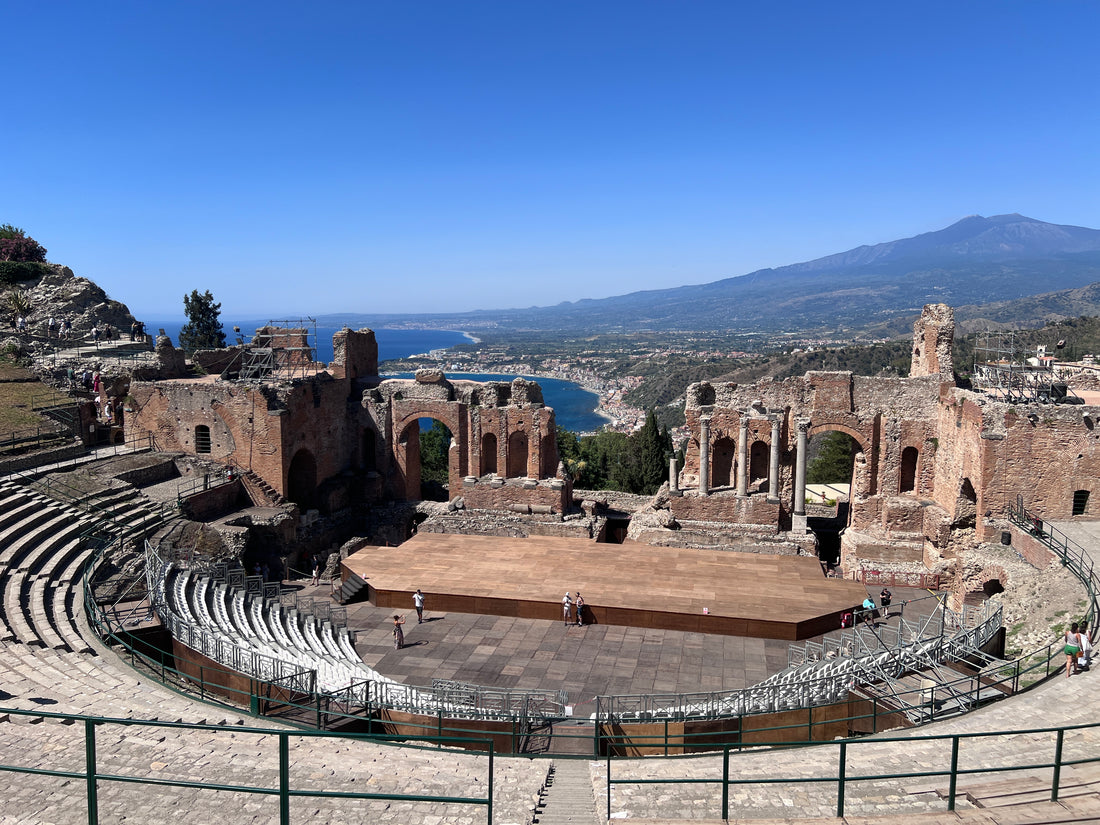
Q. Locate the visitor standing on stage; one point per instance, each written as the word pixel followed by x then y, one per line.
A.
pixel 418 603
pixel 884 599
pixel 566 609
pixel 580 609
pixel 398 633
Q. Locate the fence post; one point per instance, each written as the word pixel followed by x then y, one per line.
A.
pixel 284 778
pixel 90 772
pixel 726 782
pixel 609 783
pixel 840 780
pixel 1057 764
pixel 490 805
pixel 953 782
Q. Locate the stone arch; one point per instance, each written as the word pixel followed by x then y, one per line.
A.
pixel 406 452
pixel 724 462
pixel 910 460
pixel 301 480
pixel 488 453
pixel 517 454
pixel 862 439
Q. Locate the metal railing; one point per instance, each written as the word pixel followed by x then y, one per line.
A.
pixel 1053 759
pixel 99 729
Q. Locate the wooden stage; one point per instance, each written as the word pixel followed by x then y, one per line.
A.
pixel 637 585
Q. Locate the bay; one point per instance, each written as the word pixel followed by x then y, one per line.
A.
pixel 574 407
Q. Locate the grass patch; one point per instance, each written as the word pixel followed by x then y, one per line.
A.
pixel 19 391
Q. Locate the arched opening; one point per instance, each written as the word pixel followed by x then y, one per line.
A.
pixel 435 459
pixel 830 457
pixel 993 587
pixel 301 481
pixel 909 457
pixel 517 454
pixel 202 439
pixel 370 450
pixel 488 454
pixel 723 463
pixel 966 506
pixel 758 466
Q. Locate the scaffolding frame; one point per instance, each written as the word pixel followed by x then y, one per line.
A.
pixel 1003 369
pixel 282 350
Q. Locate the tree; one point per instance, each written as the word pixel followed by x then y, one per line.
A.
pixel 435 448
pixel 203 329
pixel 833 464
pixel 654 450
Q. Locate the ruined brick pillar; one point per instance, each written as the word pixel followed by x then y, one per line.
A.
pixel 933 336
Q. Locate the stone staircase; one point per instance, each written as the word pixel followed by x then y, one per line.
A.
pixel 568 795
pixel 261 493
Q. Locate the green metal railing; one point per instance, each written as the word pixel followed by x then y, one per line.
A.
pixel 841 776
pixel 91 777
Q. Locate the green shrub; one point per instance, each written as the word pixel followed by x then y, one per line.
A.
pixel 12 272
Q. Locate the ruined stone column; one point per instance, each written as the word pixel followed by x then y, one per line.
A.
pixel 673 477
pixel 743 458
pixel 773 468
pixel 704 455
pixel 800 470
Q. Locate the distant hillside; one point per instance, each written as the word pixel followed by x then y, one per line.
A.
pixel 1030 312
pixel 867 290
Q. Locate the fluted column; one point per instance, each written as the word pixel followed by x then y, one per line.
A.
pixel 743 458
pixel 773 469
pixel 704 455
pixel 800 470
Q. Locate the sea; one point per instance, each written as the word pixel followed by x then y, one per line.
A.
pixel 574 406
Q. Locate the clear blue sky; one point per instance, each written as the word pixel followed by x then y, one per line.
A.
pixel 428 156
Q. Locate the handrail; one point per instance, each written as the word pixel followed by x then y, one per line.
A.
pixel 90 776
pixel 840 777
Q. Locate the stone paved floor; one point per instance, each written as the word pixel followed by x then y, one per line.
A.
pixel 586 662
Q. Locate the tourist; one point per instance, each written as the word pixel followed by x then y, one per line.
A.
pixel 21 324
pixel 51 327
pixel 66 328
pixel 418 603
pixel 1072 648
pixel 566 609
pixel 1084 660
pixel 133 331
pixel 884 599
pixel 316 569
pixel 95 335
pixel 580 609
pixel 869 610
pixel 398 633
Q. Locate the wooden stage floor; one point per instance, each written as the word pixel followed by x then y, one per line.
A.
pixel 635 585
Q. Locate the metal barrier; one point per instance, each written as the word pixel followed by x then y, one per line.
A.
pixel 91 776
pixel 841 777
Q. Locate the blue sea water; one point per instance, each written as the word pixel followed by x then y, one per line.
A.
pixel 574 406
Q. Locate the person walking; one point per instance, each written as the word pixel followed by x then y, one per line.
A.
pixel 316 569
pixel 398 633
pixel 418 603
pixel 579 601
pixel 869 610
pixel 884 599
pixel 1072 648
pixel 566 609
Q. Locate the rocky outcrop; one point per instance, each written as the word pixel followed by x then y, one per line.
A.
pixel 61 294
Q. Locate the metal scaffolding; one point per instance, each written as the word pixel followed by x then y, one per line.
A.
pixel 282 351
pixel 1005 371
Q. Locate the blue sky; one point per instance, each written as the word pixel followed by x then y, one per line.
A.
pixel 433 156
